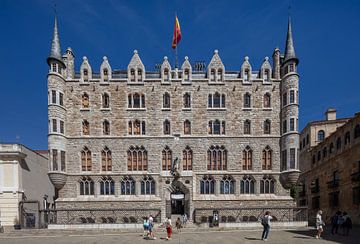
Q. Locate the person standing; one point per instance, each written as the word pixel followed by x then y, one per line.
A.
pixel 319 224
pixel 266 220
pixel 178 225
pixel 184 219
pixel 151 228
pixel 146 227
pixel 168 227
pixel 347 225
pixel 335 223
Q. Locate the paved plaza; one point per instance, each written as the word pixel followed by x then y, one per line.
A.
pixel 187 236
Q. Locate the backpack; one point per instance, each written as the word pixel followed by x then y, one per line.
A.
pixel 264 221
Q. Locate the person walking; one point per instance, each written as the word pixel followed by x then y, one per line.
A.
pixel 146 227
pixel 178 225
pixel 319 224
pixel 266 220
pixel 184 219
pixel 335 223
pixel 347 225
pixel 151 228
pixel 168 227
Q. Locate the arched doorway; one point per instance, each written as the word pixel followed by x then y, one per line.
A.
pixel 177 199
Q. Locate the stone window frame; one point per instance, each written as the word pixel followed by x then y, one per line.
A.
pixel 166 75
pixel 137 158
pixel 267 185
pixel 292 158
pixel 85 101
pixel 54 125
pixel 186 75
pixel 347 138
pixel 106 159
pixel 167 127
pixel 166 100
pixel 54 155
pixel 227 185
pixel 63 160
pixel 267 158
pixel 284 99
pixel 187 127
pixel 127 186
pixel 166 159
pixel 292 125
pixel 86 186
pixel 247 158
pixel 106 127
pixel 267 127
pixel 85 128
pixel 338 143
pixel 86 160
pixel 207 185
pixel 219 98
pixel 140 76
pixel 292 98
pixel 247 185
pixel 247 127
pixel 62 127
pixel 136 127
pixel 187 158
pixel 187 100
pixel 61 99
pixel 105 72
pixel 217 126
pixel 267 75
pixel 324 151
pixel 138 99
pixel 247 75
pixel 106 186
pixel 148 186
pixel 331 148
pixel 247 101
pixel 284 126
pixel 267 100
pixel 105 100
pixel 217 158
pixel 320 135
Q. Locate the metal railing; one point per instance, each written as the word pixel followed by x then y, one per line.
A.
pixel 237 215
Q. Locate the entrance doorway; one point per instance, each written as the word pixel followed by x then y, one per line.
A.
pixel 177 202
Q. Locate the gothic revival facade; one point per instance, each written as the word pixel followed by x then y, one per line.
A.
pixel 114 134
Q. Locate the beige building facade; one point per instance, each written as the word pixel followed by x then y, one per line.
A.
pixel 330 166
pixel 23 177
pixel 174 141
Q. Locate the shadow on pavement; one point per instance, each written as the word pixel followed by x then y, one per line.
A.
pixel 253 239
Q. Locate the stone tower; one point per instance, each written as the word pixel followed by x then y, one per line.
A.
pixel 56 112
pixel 289 111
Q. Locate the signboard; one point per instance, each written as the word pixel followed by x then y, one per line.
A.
pixel 177 196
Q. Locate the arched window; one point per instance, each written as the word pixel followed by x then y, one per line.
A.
pixel 247 100
pixel 267 100
pixel 216 127
pixel 246 75
pixel 85 100
pixel 216 102
pixel 130 132
pixel 136 102
pixel 132 75
pixel 187 158
pixel 139 78
pixel 187 127
pixel 186 75
pixel 106 127
pixel 128 186
pixel 106 74
pixel 85 75
pixel 267 158
pixel 210 101
pixel 86 186
pixel 143 128
pixel 148 186
pixel 166 158
pixel 338 143
pixel 167 129
pixel 247 158
pixel 187 100
pixel 217 158
pixel 292 96
pixel 321 135
pixel 166 74
pixel 267 185
pixel 142 101
pixel 166 100
pixel 220 75
pixel 137 129
pixel 207 185
pixel 347 137
pixel 324 152
pixel 107 186
pixel 227 185
pixel 86 163
pixel 86 128
pixel 357 131
pixel 331 148
pixel 106 160
pixel 247 127
pixel 105 101
pixel 247 185
pixel 137 158
pixel 267 75
pixel 284 99
pixel 212 75
pixel 267 127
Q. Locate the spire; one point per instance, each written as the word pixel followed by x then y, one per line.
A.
pixel 55 52
pixel 289 48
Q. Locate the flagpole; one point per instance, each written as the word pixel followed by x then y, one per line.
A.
pixel 176 53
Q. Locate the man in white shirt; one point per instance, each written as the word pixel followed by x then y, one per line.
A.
pixel 266 221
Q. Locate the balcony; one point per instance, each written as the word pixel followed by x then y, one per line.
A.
pixel 333 183
pixel 355 177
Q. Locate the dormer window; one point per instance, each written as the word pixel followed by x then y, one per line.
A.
pixel 85 73
pixel 267 76
pixel 212 75
pixel 53 67
pixel 132 75
pixel 220 75
pixel 291 68
pixel 106 74
pixel 139 75
pixel 166 75
pixel 246 75
pixel 186 75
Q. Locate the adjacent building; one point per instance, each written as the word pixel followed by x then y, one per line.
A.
pixel 330 166
pixel 114 135
pixel 23 185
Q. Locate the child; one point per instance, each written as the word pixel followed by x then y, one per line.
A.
pixel 178 224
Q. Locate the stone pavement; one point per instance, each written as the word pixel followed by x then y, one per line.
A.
pixel 209 236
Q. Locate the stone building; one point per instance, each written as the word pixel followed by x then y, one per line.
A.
pixel 330 166
pixel 23 185
pixel 117 136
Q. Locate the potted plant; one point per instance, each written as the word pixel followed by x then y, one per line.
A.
pixel 17 225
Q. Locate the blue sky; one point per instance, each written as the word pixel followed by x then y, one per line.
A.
pixel 326 36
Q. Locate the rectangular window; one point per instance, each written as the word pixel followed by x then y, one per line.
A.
pixel 284 99
pixel 284 160
pixel 292 158
pixel 53 67
pixel 61 99
pixel 292 124
pixel 54 125
pixel 61 127
pixel 284 126
pixel 292 96
pixel 62 156
pixel 53 97
pixel 54 159
pixel 291 68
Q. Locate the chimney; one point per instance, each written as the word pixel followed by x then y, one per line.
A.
pixel 330 114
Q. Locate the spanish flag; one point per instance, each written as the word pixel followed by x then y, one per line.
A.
pixel 177 33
